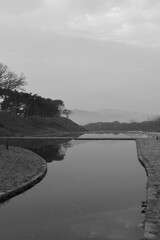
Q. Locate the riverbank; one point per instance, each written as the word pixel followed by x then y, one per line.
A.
pixel 13 125
pixel 149 155
pixel 20 169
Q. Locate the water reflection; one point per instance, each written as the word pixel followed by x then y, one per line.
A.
pixel 95 193
pixel 109 225
pixel 49 150
pixel 54 152
pixel 110 134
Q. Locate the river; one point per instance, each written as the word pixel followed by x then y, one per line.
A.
pixel 92 190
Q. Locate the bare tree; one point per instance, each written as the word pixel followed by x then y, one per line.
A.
pixel 10 80
pixel 66 112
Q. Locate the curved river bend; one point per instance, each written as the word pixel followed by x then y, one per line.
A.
pixel 93 190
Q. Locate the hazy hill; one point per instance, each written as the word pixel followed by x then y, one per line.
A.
pixel 11 124
pixel 83 117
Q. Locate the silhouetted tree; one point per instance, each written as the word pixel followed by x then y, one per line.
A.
pixel 27 104
pixel 66 112
pixel 10 81
pixel 22 103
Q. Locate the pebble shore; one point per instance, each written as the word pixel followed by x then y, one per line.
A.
pixel 149 155
pixel 20 169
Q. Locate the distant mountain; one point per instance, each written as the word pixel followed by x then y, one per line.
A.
pixel 108 115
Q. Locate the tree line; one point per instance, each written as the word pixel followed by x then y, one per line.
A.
pixel 15 99
pixel 150 125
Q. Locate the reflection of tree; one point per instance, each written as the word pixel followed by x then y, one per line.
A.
pixel 115 133
pixel 49 150
pixel 52 152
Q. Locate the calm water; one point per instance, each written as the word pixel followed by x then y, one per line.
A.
pixel 93 190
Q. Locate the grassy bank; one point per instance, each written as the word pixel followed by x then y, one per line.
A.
pixel 20 169
pixel 13 125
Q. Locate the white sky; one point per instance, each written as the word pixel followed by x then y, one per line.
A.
pixel 92 54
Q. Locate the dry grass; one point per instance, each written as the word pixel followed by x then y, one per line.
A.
pixel 18 166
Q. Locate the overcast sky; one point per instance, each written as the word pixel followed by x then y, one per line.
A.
pixel 92 54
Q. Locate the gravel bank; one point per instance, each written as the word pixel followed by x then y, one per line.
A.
pixel 20 169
